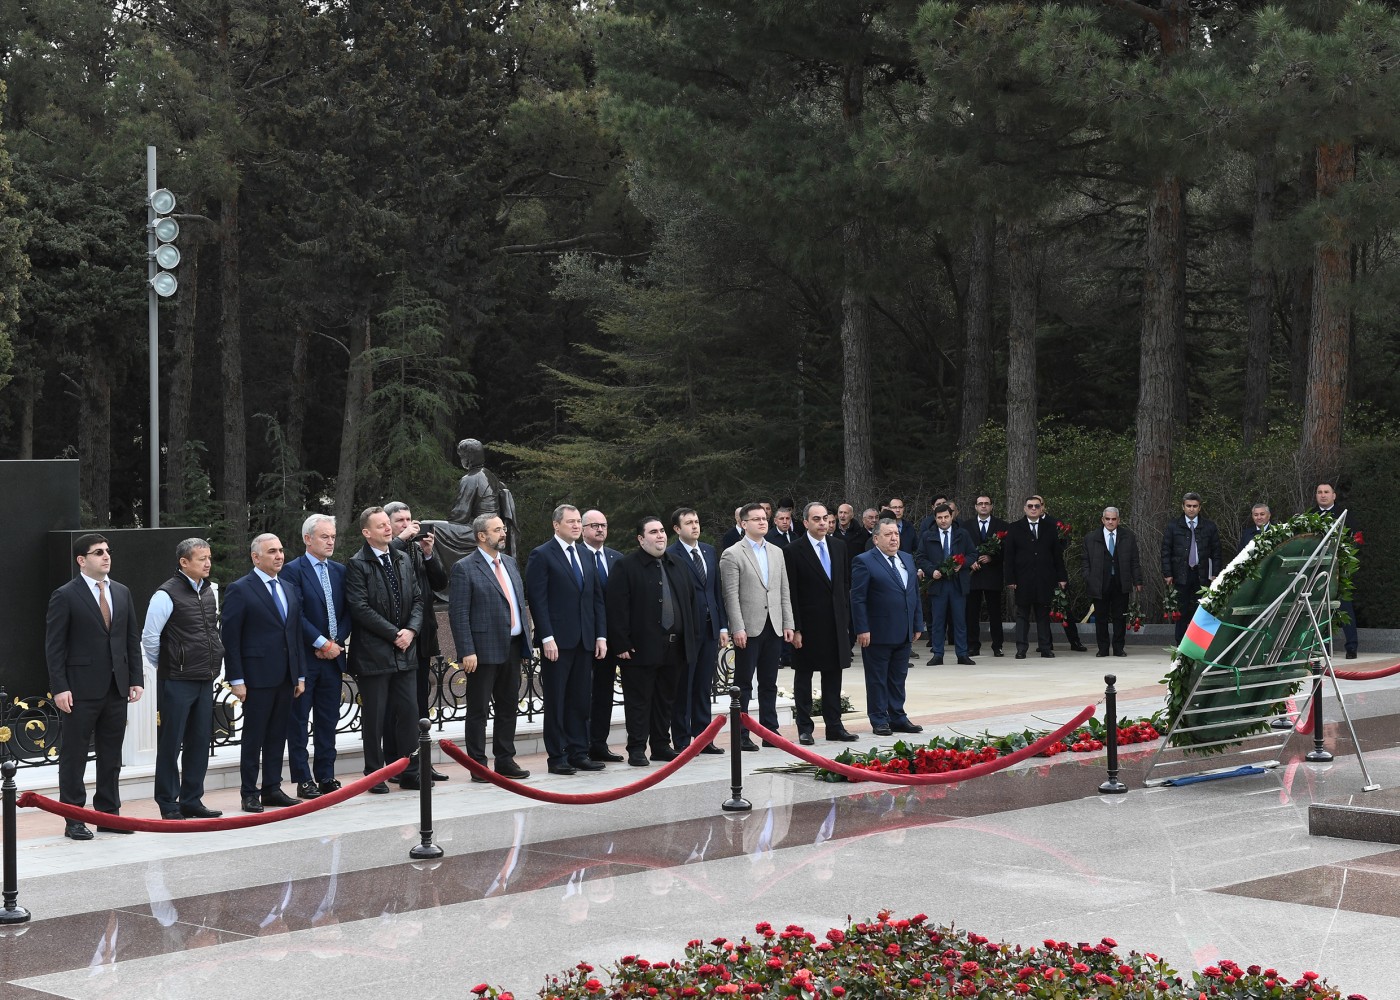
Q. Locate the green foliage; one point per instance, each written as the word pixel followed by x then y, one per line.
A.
pixel 14 264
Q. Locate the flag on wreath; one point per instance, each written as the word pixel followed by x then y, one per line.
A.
pixel 1199 634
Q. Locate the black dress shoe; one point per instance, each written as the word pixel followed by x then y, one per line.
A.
pixel 74 830
pixel 1102 652
pixel 480 780
pixel 605 755
pixel 937 661
pixel 437 775
pixel 882 732
pixel 1046 654
pixel 562 769
pixel 966 661
pixel 844 736
pixel 806 739
pixel 1120 652
pixel 907 727
pixel 713 749
pixel 277 797
pixel 513 771
pixel 380 789
pixel 748 744
pixel 1079 647
pixel 1351 654
pixel 200 812
pixel 326 787
pixel 768 744
pixel 308 790
pixel 410 784
pixel 1020 656
pixel 663 755
pixel 638 760
pixel 974 651
pixel 251 804
pixel 996 650
pixel 172 815
pixel 588 765
pixel 112 829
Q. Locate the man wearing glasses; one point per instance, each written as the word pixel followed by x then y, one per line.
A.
pixel 93 648
pixel 603 557
pixel 1033 566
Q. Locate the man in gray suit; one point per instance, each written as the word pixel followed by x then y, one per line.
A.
pixel 486 608
pixel 1112 573
pixel 758 604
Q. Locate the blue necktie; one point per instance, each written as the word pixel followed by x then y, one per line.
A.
pixel 277 597
pixel 325 576
pixel 600 566
pixel 947 549
pixel 826 560
pixel 578 570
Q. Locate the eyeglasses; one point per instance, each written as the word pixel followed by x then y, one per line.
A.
pixel 98 552
pixel 603 525
pixel 1033 506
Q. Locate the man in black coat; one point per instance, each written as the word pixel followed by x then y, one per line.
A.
pixel 694 704
pixel 818 571
pixel 1112 573
pixel 850 531
pixel 1260 518
pixel 387 608
pixel 1328 503
pixel 92 644
pixel 654 631
pixel 985 584
pixel 1033 566
pixel 1190 557
pixel 600 704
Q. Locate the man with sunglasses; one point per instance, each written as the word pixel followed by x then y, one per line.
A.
pixel 1033 566
pixel 93 648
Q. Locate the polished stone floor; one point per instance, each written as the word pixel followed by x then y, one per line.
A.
pixel 329 905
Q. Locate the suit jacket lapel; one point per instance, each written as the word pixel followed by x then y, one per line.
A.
pixel 85 595
pixel 753 559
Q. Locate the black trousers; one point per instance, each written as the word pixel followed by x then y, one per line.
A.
pixel 976 601
pixel 760 659
pixel 648 691
pixel 694 705
pixel 601 703
pixel 421 683
pixel 377 693
pixel 1186 599
pixel 184 731
pixel 494 685
pixel 565 684
pixel 831 698
pixel 319 705
pixel 266 712
pixel 1041 614
pixel 100 722
pixel 1111 609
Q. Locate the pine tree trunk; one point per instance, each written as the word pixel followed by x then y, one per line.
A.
pixel 235 460
pixel 977 356
pixel 858 439
pixel 1261 301
pixel 181 387
pixel 1300 279
pixel 297 395
pixel 1022 292
pixel 1320 449
pixel 358 383
pixel 1161 364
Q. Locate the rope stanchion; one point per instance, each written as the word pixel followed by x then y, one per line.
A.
pixel 1304 724
pixel 586 798
pixel 425 849
pixel 736 801
pixel 1110 722
pixel 1319 754
pixel 945 778
pixel 13 913
pixel 79 814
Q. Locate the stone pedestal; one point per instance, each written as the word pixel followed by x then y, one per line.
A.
pixel 1373 816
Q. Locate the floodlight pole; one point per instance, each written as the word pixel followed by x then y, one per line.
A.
pixel 153 335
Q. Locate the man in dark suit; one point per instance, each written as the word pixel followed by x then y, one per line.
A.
pixel 409 537
pixel 325 625
pixel 1328 503
pixel 1112 573
pixel 947 593
pixel 908 534
pixel 92 644
pixel 887 619
pixel 600 702
pixel 1190 557
pixel 817 570
pixel 1033 566
pixel 386 614
pixel 984 589
pixel 851 532
pixel 654 631
pixel 181 640
pixel 781 534
pixel 694 704
pixel 263 664
pixel 566 599
pixel 491 630
pixel 1260 518
pixel 732 535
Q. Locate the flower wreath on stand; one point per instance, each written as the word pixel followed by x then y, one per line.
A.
pixel 1247 564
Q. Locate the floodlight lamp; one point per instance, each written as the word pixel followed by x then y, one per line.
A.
pixel 167 230
pixel 165 284
pixel 162 201
pixel 167 256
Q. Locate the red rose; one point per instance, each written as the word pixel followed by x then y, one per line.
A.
pixel 835 936
pixel 1079 968
pixel 480 988
pixel 1358 539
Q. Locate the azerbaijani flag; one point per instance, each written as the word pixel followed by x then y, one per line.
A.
pixel 1199 634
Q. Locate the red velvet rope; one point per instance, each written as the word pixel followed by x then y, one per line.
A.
pixel 947 777
pixel 587 798
pixel 1304 724
pixel 79 814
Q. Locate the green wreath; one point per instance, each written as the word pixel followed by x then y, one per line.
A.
pixel 1218 599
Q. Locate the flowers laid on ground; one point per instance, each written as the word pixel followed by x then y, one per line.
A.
pixel 1134 618
pixel 894 959
pixel 846 705
pixel 941 755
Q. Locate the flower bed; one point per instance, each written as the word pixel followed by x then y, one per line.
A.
pixel 894 959
pixel 940 755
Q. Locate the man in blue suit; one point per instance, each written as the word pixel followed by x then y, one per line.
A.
pixel 566 599
pixel 604 558
pixel 887 618
pixel 263 665
pixel 693 707
pixel 491 631
pixel 947 595
pixel 325 625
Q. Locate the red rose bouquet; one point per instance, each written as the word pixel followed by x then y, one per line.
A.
pixel 992 546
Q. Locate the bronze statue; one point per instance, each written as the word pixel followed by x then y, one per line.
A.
pixel 479 492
